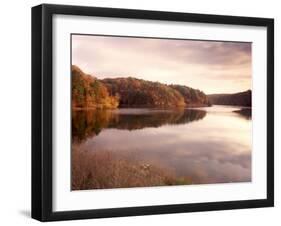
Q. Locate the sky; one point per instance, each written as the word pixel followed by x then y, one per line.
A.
pixel 211 66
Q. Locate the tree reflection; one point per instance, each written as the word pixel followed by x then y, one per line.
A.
pixel 245 113
pixel 88 123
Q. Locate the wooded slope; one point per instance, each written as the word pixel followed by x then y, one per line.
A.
pixel 89 92
pixel 239 99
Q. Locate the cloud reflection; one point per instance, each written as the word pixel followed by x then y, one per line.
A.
pixel 216 149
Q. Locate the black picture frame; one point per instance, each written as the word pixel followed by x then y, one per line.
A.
pixel 42 107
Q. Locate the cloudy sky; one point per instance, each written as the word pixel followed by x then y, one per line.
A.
pixel 213 67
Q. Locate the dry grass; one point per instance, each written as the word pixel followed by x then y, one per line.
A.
pixel 106 169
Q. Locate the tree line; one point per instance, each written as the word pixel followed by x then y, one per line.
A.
pixel 90 92
pixel 238 99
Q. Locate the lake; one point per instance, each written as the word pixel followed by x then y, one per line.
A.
pixel 203 145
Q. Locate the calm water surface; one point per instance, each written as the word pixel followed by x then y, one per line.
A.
pixel 207 145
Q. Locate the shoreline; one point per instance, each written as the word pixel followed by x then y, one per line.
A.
pixel 139 107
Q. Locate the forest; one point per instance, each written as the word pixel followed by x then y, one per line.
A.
pixel 90 92
pixel 238 99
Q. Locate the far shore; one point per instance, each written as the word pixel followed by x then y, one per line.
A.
pixel 141 106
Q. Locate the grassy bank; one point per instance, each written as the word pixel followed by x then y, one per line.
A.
pixel 106 169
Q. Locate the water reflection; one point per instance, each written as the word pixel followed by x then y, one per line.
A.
pixel 246 113
pixel 214 148
pixel 90 123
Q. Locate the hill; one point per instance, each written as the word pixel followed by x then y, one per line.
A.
pixel 135 92
pixel 140 93
pixel 238 99
pixel 90 92
pixel 192 97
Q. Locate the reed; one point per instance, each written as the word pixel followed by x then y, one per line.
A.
pixel 102 169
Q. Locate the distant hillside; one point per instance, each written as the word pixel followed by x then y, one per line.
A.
pixel 238 99
pixel 89 92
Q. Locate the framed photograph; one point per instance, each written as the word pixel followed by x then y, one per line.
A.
pixel 139 112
